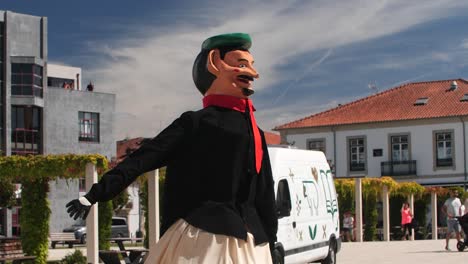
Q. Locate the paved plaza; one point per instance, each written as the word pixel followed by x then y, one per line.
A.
pixel 418 251
pixel 395 252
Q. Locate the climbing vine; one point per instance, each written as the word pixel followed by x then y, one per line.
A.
pixel 7 193
pixel 407 188
pixel 104 224
pixel 34 173
pixel 34 220
pixel 345 191
pixel 30 168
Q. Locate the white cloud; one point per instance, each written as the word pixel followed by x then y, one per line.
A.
pixel 151 74
pixel 464 44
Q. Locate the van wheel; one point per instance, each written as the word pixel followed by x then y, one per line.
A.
pixel 331 257
pixel 277 257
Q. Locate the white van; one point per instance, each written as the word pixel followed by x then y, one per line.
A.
pixel 308 217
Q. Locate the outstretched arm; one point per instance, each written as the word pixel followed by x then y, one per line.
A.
pixel 152 155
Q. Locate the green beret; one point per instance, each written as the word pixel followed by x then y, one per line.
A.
pixel 240 40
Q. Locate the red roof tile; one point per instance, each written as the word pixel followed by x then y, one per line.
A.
pixel 127 146
pixel 394 104
pixel 272 138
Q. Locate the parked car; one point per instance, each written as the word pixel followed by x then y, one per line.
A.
pixel 119 228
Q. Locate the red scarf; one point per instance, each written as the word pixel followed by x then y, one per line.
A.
pixel 240 105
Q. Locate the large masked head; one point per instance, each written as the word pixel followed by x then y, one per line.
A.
pixel 225 66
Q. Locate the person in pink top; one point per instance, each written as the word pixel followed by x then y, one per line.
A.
pixel 406 217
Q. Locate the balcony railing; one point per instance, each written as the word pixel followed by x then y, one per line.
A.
pixel 25 141
pixel 398 168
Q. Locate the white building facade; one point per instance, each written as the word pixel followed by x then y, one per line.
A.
pixel 430 149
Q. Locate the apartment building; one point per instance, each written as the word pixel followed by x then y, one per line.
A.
pixel 44 110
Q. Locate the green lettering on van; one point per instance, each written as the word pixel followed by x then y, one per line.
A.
pixel 313 233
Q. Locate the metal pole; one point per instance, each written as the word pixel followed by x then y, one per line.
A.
pixel 411 203
pixel 358 192
pixel 434 215
pixel 92 250
pixel 153 208
pixel 153 214
pixel 386 214
pixel 464 153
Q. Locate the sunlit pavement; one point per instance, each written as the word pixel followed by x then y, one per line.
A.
pixel 419 251
pixel 395 252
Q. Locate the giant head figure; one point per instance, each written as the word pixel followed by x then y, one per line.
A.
pixel 225 66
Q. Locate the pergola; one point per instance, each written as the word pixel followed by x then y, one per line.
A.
pixel 385 192
pixel 92 219
pixel 35 173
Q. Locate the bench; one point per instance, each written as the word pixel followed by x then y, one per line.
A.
pixel 12 251
pixel 63 238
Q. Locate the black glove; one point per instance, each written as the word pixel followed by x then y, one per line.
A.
pixel 77 209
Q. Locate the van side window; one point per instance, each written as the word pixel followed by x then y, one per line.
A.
pixel 283 199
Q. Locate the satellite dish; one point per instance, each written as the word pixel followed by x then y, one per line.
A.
pixel 373 86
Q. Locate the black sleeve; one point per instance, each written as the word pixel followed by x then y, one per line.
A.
pixel 154 154
pixel 265 200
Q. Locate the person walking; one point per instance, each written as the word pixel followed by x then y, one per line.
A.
pixel 452 209
pixel 406 218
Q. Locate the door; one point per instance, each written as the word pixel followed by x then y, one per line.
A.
pixel 286 223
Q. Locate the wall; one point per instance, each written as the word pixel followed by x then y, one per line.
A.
pixel 62 132
pixel 61 192
pixel 133 217
pixel 24 34
pixel 26 38
pixel 377 137
pixel 62 124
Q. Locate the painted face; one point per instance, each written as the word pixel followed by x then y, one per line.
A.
pixel 237 73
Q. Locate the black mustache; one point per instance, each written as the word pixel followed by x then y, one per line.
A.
pixel 246 77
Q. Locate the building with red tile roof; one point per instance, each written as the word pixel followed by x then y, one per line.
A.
pixel 416 131
pixel 272 138
pixel 127 146
pixel 395 104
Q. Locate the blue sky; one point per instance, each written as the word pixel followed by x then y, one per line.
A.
pixel 312 55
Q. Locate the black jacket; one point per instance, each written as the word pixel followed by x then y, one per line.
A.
pixel 211 180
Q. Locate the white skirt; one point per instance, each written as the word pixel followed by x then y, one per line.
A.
pixel 186 244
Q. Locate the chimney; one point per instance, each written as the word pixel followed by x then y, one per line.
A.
pixel 453 86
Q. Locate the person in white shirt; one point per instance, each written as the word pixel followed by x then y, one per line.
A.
pixel 348 226
pixel 452 208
